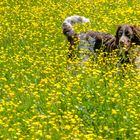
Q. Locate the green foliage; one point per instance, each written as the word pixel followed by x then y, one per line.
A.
pixel 45 96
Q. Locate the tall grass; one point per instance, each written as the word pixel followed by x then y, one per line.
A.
pixel 43 96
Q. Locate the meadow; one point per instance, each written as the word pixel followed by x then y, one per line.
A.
pixel 41 97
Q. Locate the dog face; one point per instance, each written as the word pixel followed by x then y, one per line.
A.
pixel 124 37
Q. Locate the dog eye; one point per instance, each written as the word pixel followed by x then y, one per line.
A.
pixel 120 33
pixel 128 34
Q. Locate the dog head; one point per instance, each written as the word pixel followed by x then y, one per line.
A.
pixel 126 35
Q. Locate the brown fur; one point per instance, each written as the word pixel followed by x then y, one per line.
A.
pixel 127 37
pixel 127 34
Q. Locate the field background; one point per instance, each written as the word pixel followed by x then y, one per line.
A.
pixel 41 98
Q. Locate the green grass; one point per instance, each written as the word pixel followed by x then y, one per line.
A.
pixel 43 96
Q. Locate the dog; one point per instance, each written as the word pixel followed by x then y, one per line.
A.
pixel 91 41
pixel 127 38
pixel 87 42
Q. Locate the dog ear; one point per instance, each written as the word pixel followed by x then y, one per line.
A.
pixel 119 27
pixel 117 34
pixel 136 31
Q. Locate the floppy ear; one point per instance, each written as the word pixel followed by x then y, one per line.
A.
pixel 117 35
pixel 119 27
pixel 136 31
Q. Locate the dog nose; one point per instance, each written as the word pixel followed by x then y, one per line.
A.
pixel 122 41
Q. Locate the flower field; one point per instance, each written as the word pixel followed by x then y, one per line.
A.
pixel 45 96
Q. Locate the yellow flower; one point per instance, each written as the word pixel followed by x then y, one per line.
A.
pixel 106 128
pixel 122 129
pixel 11 129
pixel 67 127
pixel 114 112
